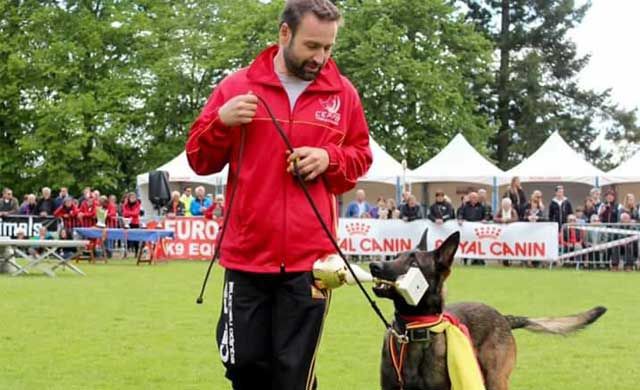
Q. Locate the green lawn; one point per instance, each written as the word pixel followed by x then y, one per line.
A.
pixel 129 327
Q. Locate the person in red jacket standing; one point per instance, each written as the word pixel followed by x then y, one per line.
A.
pixel 272 314
pixel 68 212
pixel 131 211
pixel 87 212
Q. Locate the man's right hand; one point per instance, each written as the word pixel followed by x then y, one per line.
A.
pixel 238 110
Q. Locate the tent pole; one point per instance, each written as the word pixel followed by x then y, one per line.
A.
pixel 494 195
pixel 398 190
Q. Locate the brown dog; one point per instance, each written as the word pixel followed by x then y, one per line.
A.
pixel 424 365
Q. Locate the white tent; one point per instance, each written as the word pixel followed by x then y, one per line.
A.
pixel 457 162
pixel 180 175
pixel 384 169
pixel 555 161
pixel 627 172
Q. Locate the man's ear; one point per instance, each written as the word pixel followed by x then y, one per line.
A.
pixel 284 35
pixel 446 252
pixel 422 245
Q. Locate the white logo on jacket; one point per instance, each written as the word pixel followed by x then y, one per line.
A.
pixel 331 107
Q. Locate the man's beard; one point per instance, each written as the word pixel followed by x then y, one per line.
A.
pixel 297 67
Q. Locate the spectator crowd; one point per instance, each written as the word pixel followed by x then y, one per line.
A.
pixel 515 206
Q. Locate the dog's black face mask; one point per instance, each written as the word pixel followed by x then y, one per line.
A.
pixel 435 266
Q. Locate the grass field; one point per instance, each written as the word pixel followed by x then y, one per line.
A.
pixel 129 327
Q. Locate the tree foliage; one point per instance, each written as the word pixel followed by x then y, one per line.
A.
pixel 535 91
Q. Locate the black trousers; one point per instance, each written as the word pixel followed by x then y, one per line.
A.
pixel 269 330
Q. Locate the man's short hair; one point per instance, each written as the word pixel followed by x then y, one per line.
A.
pixel 294 10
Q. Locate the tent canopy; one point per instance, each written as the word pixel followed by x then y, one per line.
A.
pixel 627 172
pixel 384 169
pixel 457 162
pixel 556 161
pixel 180 171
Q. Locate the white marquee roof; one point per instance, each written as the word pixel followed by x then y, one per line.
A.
pixel 556 161
pixel 457 162
pixel 628 171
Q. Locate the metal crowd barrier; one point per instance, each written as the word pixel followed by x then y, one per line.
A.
pixel 600 246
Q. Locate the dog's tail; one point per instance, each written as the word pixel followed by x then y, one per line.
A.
pixel 557 325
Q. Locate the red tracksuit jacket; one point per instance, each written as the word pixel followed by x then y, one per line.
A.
pixel 272 228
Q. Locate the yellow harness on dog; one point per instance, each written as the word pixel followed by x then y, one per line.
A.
pixel 462 365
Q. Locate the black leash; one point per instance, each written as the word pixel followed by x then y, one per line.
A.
pixel 303 185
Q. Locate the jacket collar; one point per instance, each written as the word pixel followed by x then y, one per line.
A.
pixel 261 71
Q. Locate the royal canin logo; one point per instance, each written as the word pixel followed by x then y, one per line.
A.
pixel 357 229
pixel 331 107
pixel 491 232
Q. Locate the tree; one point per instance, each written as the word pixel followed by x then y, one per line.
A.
pixel 415 65
pixel 535 91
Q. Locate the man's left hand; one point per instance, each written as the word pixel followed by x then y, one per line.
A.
pixel 311 162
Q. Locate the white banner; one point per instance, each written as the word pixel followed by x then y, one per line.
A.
pixel 520 240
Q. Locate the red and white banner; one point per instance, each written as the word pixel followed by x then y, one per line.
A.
pixel 194 238
pixel 520 240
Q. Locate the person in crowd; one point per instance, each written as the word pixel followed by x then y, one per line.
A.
pixel 200 203
pixel 43 234
pixel 216 210
pixel 29 207
pixel 87 214
pixel 186 200
pixel 410 211
pixel 375 210
pixel 507 212
pixel 131 211
pixel 68 212
pixel 86 194
pixel 517 196
pixel 441 211
pixel 57 202
pixel 175 208
pixel 534 210
pixel 45 205
pixel 560 208
pixel 359 206
pixel 580 218
pixel 109 212
pixel 8 204
pixel 463 201
pixel 594 259
pixel 482 199
pixel 404 198
pixel 610 209
pixel 391 207
pixel 629 252
pixel 471 210
pixel 594 194
pixel 572 238
pixel 66 253
pixel 589 209
pixel 630 207
pixel 395 214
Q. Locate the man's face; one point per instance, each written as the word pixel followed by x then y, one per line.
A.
pixel 360 196
pixel 187 192
pixel 439 198
pixel 7 195
pixel 560 192
pixel 473 198
pixel 309 50
pixel 63 192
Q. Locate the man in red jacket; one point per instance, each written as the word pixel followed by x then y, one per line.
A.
pixel 272 313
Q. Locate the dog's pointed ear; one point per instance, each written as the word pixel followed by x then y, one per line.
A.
pixel 446 252
pixel 422 245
